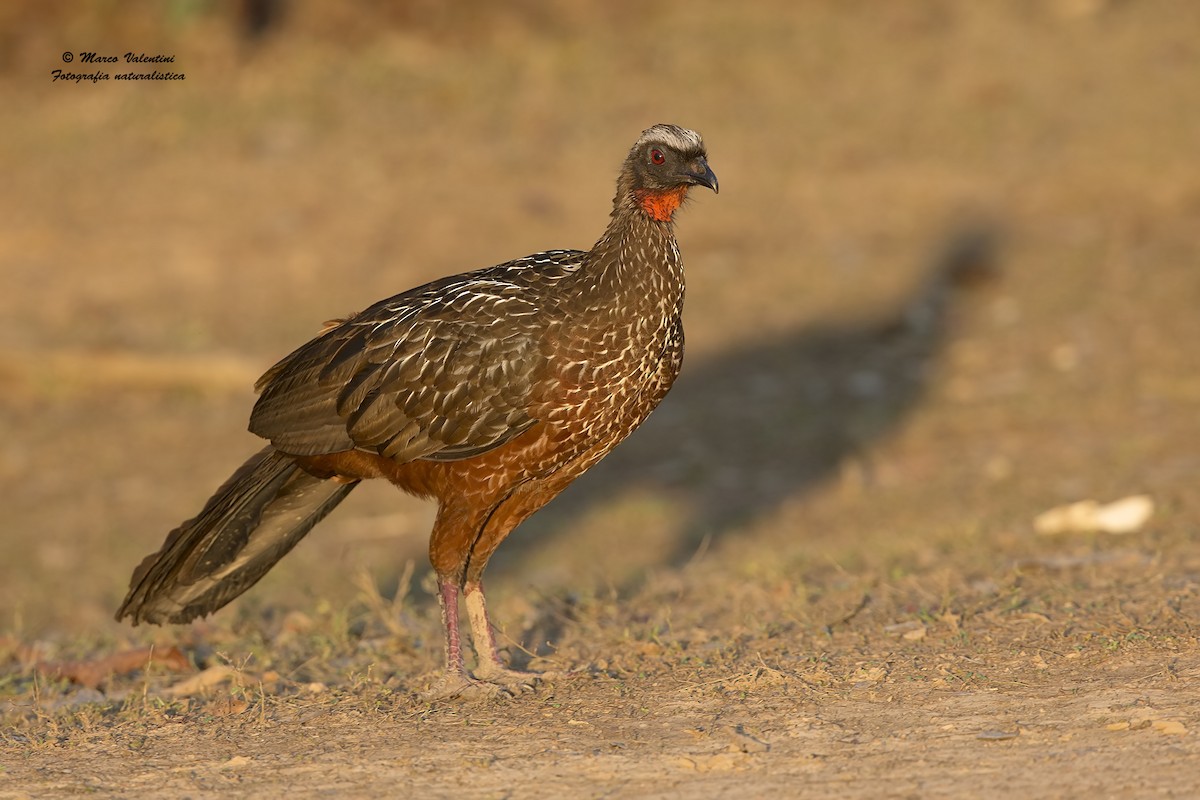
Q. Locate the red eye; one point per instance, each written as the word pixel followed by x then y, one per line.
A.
pixel 657 157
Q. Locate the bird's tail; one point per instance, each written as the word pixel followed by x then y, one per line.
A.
pixel 252 521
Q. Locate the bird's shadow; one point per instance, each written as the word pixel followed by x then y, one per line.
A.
pixel 747 429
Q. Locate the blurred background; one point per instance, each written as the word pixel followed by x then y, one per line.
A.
pixel 950 281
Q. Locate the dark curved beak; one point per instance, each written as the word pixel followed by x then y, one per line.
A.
pixel 700 174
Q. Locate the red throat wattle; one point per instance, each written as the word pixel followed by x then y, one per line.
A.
pixel 660 204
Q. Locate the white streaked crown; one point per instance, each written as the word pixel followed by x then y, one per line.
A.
pixel 673 136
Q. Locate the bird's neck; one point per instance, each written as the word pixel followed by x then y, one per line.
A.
pixel 637 257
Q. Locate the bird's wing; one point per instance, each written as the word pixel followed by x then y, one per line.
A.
pixel 441 372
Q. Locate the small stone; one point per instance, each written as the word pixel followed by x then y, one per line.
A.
pixel 995 736
pixel 1169 727
pixel 1127 515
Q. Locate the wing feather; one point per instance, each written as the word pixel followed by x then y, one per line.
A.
pixel 442 372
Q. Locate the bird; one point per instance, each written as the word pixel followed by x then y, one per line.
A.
pixel 488 392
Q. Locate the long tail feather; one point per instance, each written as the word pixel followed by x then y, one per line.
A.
pixel 252 521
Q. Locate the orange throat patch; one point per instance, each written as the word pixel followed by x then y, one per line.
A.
pixel 660 205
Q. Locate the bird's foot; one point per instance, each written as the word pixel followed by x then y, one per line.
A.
pixel 514 680
pixel 457 685
pixel 489 681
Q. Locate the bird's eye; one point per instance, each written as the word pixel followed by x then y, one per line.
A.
pixel 657 156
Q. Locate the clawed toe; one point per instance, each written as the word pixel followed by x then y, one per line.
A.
pixel 490 682
pixel 458 685
pixel 512 679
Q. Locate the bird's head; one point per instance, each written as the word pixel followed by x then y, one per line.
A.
pixel 664 163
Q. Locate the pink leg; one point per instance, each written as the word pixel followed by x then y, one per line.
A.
pixel 448 599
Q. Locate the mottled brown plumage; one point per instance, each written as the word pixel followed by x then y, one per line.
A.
pixel 488 391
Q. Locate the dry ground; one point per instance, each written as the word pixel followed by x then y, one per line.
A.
pixel 813 573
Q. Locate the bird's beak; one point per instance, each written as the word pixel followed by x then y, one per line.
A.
pixel 700 174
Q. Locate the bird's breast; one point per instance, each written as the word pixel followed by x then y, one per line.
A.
pixel 609 373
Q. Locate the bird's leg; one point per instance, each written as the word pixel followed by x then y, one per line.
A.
pixel 448 600
pixel 481 630
pixel 455 681
pixel 490 667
